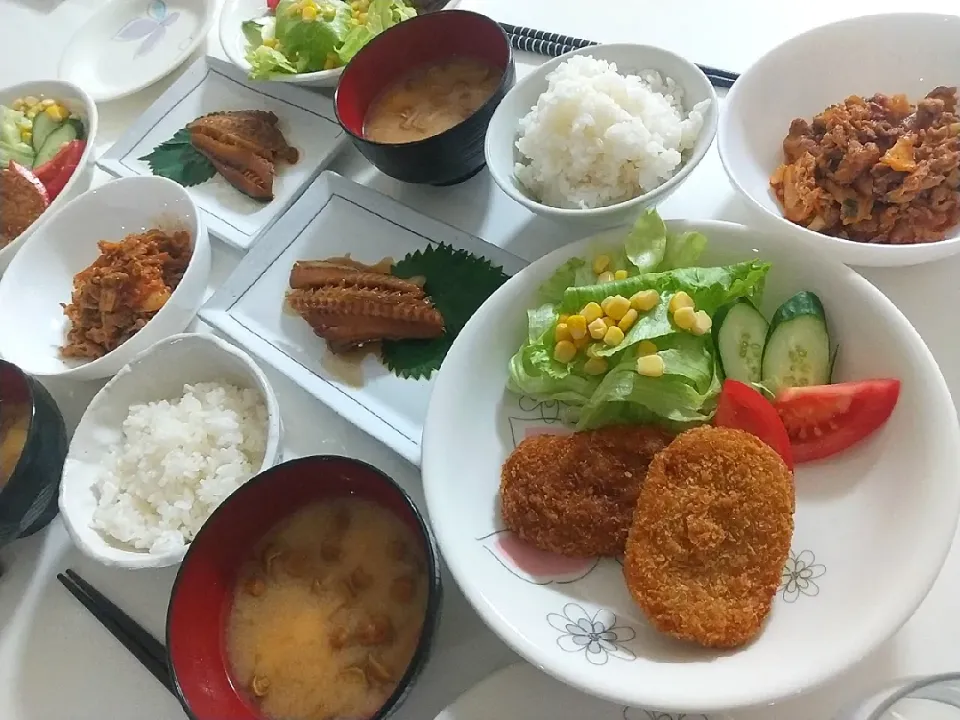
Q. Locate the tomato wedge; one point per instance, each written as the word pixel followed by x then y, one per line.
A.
pixel 57 172
pixel 823 420
pixel 743 408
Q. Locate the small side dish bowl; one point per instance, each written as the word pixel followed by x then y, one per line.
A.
pixel 502 154
pixel 40 279
pixel 158 373
pixel 455 154
pixel 33 443
pixel 201 598
pixel 78 102
pixel 807 74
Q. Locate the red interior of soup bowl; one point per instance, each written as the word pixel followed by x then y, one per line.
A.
pixel 422 40
pixel 202 593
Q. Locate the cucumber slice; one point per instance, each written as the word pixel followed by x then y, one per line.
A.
pixel 55 140
pixel 78 126
pixel 740 332
pixel 43 125
pixel 797 353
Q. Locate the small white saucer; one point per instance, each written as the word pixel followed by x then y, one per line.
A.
pixel 130 44
pixel 522 691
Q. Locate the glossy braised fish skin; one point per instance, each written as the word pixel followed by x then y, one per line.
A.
pixel 243 146
pixel 323 273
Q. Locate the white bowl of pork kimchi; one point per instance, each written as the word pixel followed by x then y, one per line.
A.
pixel 117 269
pixel 847 138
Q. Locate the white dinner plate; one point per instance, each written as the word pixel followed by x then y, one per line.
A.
pixel 130 44
pixel 336 217
pixel 307 120
pixel 873 525
pixel 523 692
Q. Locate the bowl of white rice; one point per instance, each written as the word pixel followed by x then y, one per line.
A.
pixel 600 134
pixel 186 423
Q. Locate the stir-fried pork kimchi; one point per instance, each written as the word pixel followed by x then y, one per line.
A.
pixel 123 288
pixel 876 170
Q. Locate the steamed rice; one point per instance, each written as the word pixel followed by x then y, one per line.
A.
pixel 177 461
pixel 596 137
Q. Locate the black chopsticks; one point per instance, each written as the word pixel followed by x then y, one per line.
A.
pixel 554 45
pixel 144 646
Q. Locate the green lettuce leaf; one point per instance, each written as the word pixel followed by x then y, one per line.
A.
pixel 307 43
pixel 265 62
pixel 646 242
pixel 683 250
pixel 381 14
pixel 252 33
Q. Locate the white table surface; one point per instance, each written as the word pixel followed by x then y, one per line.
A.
pixel 57 663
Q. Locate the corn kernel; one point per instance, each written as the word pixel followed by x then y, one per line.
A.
pixel 605 277
pixel 47 102
pixel 56 113
pixel 26 135
pixel 562 332
pixel 645 300
pixel 650 365
pixel 595 366
pixel 617 307
pixel 355 5
pixel 271 42
pixel 563 318
pixel 309 13
pixel 18 104
pixel 613 336
pixel 680 300
pixel 25 124
pixel 362 17
pixel 581 343
pixel 577 325
pixel 645 347
pixel 593 349
pixel 620 275
pixel 354 22
pixel 597 329
pixel 609 321
pixel 600 263
pixel 627 321
pixel 685 317
pixel 31 113
pixel 30 101
pixel 702 323
pixel 564 351
pixel 591 311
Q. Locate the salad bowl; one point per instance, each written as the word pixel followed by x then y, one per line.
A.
pixel 853 575
pixel 243 23
pixel 79 103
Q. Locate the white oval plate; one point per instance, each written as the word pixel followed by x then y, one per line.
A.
pixel 873 525
pixel 521 688
pixel 130 44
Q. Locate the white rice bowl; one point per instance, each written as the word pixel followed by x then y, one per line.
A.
pixel 596 137
pixel 177 461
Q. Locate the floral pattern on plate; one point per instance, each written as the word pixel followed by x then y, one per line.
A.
pixel 639 714
pixel 596 635
pixel 799 574
pixel 535 418
pixel 149 29
pixel 533 565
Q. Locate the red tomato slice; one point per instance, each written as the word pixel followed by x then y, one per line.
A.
pixel 62 167
pixel 743 408
pixel 272 4
pixel 826 419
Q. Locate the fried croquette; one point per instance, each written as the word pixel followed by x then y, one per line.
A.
pixel 575 494
pixel 710 536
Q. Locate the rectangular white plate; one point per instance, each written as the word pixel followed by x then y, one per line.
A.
pixel 336 217
pixel 307 120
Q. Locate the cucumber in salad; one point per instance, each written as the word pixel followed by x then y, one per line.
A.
pixel 792 351
pixel 740 333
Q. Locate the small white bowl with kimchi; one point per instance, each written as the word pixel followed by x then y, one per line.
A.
pixel 847 138
pixel 117 269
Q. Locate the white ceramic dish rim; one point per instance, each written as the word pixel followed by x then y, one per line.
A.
pixel 200 37
pixel 230 28
pixel 707 134
pixel 656 698
pixel 898 254
pixel 195 232
pixel 91 124
pixel 135 559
